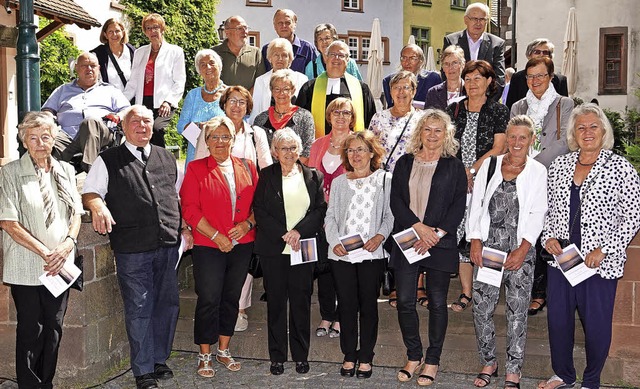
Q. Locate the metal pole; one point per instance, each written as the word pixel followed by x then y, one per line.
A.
pixel 514 46
pixel 27 62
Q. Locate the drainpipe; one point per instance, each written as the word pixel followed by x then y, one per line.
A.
pixel 514 46
pixel 27 62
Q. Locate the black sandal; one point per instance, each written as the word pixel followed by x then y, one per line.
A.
pixel 534 311
pixel 423 301
pixel 511 384
pixel 487 378
pixel 461 304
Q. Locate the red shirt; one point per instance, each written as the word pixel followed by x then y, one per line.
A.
pixel 204 193
pixel 149 74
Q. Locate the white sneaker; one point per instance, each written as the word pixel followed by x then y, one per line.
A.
pixel 242 323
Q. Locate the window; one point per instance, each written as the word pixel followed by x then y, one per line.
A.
pixel 421 2
pixel 423 37
pixel 352 5
pixel 359 43
pixel 612 75
pixel 254 38
pixel 461 4
pixel 258 3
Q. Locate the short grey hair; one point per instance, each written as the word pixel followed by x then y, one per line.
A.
pixel 280 43
pixel 585 109
pixel 522 121
pixel 481 6
pixel 285 134
pixel 423 60
pixel 455 51
pixel 208 53
pixel 338 43
pixel 140 109
pixel 401 75
pixel 35 119
pixel 537 42
pixel 213 124
pixel 286 75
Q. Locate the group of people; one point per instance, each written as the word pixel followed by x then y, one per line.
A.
pixel 290 153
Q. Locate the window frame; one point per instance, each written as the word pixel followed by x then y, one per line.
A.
pixel 422 3
pixel 454 4
pixel 256 36
pixel 258 3
pixel 359 35
pixel 426 48
pixel 603 87
pixel 359 8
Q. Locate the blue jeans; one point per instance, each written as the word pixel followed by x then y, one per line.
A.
pixel 149 288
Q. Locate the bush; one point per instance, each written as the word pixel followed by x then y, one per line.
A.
pixel 56 53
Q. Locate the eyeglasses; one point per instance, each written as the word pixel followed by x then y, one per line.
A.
pixel 238 102
pixel 338 56
pixel 220 138
pixel 475 79
pixel 536 76
pixel 359 150
pixel 453 64
pixel 477 20
pixel 114 32
pixel 152 28
pixel 398 88
pixel 328 39
pixel 238 28
pixel 276 90
pixel 280 56
pixel 412 58
pixel 546 53
pixel 291 149
pixel 343 113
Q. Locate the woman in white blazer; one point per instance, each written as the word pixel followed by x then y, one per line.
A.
pixel 158 76
pixel 507 214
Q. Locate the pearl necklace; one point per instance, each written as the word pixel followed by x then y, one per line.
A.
pixel 209 92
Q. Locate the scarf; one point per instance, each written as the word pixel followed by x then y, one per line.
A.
pixel 537 110
pixel 62 184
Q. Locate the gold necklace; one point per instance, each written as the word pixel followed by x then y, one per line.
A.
pixel 508 159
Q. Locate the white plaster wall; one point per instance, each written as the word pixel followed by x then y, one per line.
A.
pixel 101 10
pixel 313 12
pixel 9 80
pixel 549 18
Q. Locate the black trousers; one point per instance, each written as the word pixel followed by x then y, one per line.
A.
pixel 437 284
pixel 294 284
pixel 218 283
pixel 327 297
pixel 539 289
pixel 159 123
pixel 358 288
pixel 38 334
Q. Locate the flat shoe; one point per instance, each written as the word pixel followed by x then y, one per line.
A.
pixel 563 385
pixel 333 333
pixel 146 381
pixel 230 363
pixel 347 372
pixel 321 331
pixel 276 368
pixel 511 384
pixel 206 370
pixel 162 372
pixel 461 304
pixel 302 367
pixel 364 374
pixel 540 307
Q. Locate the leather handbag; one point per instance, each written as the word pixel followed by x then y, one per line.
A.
pixel 255 268
pixel 79 282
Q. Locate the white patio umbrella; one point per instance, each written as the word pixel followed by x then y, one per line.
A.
pixel 412 40
pixel 431 61
pixel 374 63
pixel 570 60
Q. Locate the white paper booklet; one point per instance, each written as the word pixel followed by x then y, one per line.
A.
pixel 354 245
pixel 192 132
pixel 63 280
pixel 492 266
pixel 308 252
pixel 405 240
pixel 571 263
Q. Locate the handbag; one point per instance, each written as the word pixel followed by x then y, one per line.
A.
pixel 322 266
pixel 255 268
pixel 79 282
pixel 388 279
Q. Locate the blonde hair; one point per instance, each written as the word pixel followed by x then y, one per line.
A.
pixel 585 109
pixel 450 146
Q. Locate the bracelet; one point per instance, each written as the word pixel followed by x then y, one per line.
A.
pixel 74 240
pixel 186 227
pixel 214 235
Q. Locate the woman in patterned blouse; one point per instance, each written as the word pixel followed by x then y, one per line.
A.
pixel 594 203
pixel 359 207
pixel 480 126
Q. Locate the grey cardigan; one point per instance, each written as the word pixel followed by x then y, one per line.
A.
pixel 339 202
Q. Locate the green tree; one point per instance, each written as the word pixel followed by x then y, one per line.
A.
pixel 56 53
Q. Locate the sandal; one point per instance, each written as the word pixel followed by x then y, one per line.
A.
pixel 423 300
pixel 393 302
pixel 405 376
pixel 425 379
pixel 230 363
pixel 511 384
pixel 323 331
pixel 561 385
pixel 486 378
pixel 534 310
pixel 461 304
pixel 206 370
pixel 333 333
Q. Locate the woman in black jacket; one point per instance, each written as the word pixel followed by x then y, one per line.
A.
pixel 289 205
pixel 428 194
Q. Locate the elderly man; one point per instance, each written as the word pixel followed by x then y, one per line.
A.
pixel 538 48
pixel 83 108
pixel 316 94
pixel 412 60
pixel 478 44
pixel 132 195
pixel 241 62
pixel 284 22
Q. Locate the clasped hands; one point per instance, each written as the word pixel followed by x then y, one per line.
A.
pixel 224 242
pixel 592 260
pixel 427 238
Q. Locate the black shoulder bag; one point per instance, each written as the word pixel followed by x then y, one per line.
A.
pixel 116 65
pixel 386 164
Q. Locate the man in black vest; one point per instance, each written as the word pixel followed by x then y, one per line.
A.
pixel 131 193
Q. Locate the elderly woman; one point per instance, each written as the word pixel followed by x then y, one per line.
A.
pixel 452 88
pixel 364 189
pixel 114 54
pixel 202 103
pixel 289 206
pixel 550 113
pixel 40 212
pixel 326 156
pixel 428 193
pixel 324 34
pixel 480 125
pixel 280 55
pixel 594 203
pixel 285 114
pixel 506 213
pixel 160 87
pixel 412 60
pixel 216 198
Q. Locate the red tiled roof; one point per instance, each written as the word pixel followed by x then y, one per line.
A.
pixel 66 11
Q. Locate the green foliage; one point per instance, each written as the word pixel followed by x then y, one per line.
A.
pixel 190 25
pixel 632 153
pixel 621 133
pixel 56 52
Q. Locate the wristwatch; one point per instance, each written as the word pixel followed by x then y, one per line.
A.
pixel 472 171
pixel 439 232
